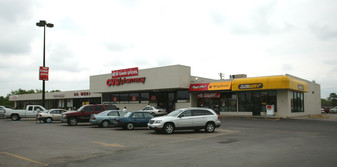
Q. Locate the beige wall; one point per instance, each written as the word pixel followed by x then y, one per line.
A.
pixel 312 101
pixel 169 77
pixel 56 95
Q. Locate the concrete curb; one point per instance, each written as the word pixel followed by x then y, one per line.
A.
pixel 252 117
pixel 324 117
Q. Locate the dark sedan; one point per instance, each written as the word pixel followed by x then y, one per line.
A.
pixel 133 119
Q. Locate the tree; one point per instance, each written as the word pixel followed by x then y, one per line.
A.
pixel 333 99
pixel 325 102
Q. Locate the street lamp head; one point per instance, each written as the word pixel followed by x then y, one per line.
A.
pixel 50 25
pixel 42 23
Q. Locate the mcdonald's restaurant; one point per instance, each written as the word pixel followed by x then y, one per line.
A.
pixel 173 87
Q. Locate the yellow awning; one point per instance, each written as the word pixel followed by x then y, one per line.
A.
pixel 267 83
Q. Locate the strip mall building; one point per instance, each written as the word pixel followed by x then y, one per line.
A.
pixel 173 87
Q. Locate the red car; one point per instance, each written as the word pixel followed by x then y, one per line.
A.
pixel 84 113
pixel 325 109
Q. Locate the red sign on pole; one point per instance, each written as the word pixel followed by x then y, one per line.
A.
pixel 44 71
pixel 124 73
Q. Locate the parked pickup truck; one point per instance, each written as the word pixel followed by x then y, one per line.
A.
pixel 83 114
pixel 30 112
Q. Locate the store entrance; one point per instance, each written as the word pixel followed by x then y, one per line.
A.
pixel 166 100
pixel 256 103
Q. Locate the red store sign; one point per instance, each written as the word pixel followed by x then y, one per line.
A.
pixel 199 87
pixel 118 77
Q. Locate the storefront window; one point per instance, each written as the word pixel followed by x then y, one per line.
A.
pixel 144 96
pixel 212 103
pixel 124 98
pixel 242 101
pixel 134 97
pixel 183 95
pixel 256 100
pixel 248 101
pixel 297 102
pixel 115 98
pixel 106 97
pixel 227 102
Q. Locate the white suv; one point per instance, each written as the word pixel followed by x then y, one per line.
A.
pixel 186 118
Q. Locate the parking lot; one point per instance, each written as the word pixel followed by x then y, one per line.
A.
pixel 238 142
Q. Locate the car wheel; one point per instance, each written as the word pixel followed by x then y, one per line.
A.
pixel 168 128
pixel 105 124
pixel 48 120
pixel 15 117
pixel 72 121
pixel 130 126
pixel 210 127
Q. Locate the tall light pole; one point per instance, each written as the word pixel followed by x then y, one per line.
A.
pixel 43 24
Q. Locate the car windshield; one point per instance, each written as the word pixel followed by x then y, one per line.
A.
pixel 174 113
pixel 110 107
pixel 80 108
pixel 127 114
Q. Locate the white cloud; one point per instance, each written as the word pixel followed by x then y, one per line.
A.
pixel 258 38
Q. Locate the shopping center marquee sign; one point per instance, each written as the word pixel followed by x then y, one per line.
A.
pixel 118 77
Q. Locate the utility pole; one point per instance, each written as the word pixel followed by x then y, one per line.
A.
pixel 221 76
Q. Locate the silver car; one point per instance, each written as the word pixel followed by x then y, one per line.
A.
pixel 155 110
pixel 105 118
pixel 333 110
pixel 51 115
pixel 3 110
pixel 186 118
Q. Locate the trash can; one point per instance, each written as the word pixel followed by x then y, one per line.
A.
pixel 270 110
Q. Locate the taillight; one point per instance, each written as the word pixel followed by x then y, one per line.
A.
pixel 218 116
pixel 117 120
pixel 4 111
pixel 40 115
pixel 93 117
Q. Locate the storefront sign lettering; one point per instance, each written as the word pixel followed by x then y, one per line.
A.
pixel 121 81
pixel 251 86
pixel 124 73
pixel 208 95
pixel 44 71
pixel 199 87
pixel 59 95
pixel 82 94
pixel 220 86
pixel 300 87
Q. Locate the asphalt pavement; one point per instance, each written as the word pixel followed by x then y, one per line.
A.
pixel 240 141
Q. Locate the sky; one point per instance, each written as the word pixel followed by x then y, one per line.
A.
pixel 257 38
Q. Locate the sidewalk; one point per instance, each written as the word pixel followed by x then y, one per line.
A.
pixel 323 117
